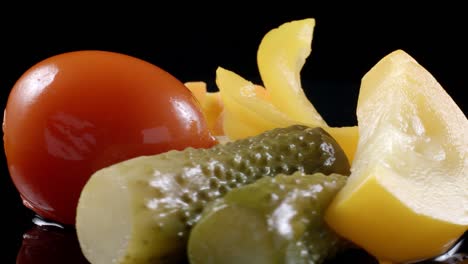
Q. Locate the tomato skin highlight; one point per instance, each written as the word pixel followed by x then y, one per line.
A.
pixel 77 112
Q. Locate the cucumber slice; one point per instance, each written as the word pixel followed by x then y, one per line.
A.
pixel 272 221
pixel 141 210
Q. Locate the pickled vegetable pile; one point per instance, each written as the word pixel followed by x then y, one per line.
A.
pixel 152 170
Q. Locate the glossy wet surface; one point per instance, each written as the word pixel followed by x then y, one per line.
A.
pixel 49 243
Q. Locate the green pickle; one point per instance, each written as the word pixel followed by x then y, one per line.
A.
pixel 142 210
pixel 272 221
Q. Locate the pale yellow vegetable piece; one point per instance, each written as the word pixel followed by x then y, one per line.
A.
pixel 210 104
pixel 406 198
pixel 246 113
pixel 280 58
pixel 198 88
pixel 235 127
pixel 249 109
pixel 347 138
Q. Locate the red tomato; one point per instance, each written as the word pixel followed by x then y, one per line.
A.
pixel 78 112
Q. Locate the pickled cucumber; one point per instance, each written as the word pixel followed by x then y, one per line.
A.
pixel 141 210
pixel 272 221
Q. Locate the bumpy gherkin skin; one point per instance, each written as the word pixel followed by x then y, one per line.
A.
pixel 272 221
pixel 169 191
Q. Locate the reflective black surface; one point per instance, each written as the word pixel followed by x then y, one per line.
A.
pixel 192 44
pixel 49 243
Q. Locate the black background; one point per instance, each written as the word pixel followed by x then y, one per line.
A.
pixel 192 42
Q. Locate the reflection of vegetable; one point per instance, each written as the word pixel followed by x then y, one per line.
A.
pixel 77 112
pixel 50 245
pixel 274 220
pixel 407 197
pixel 141 210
